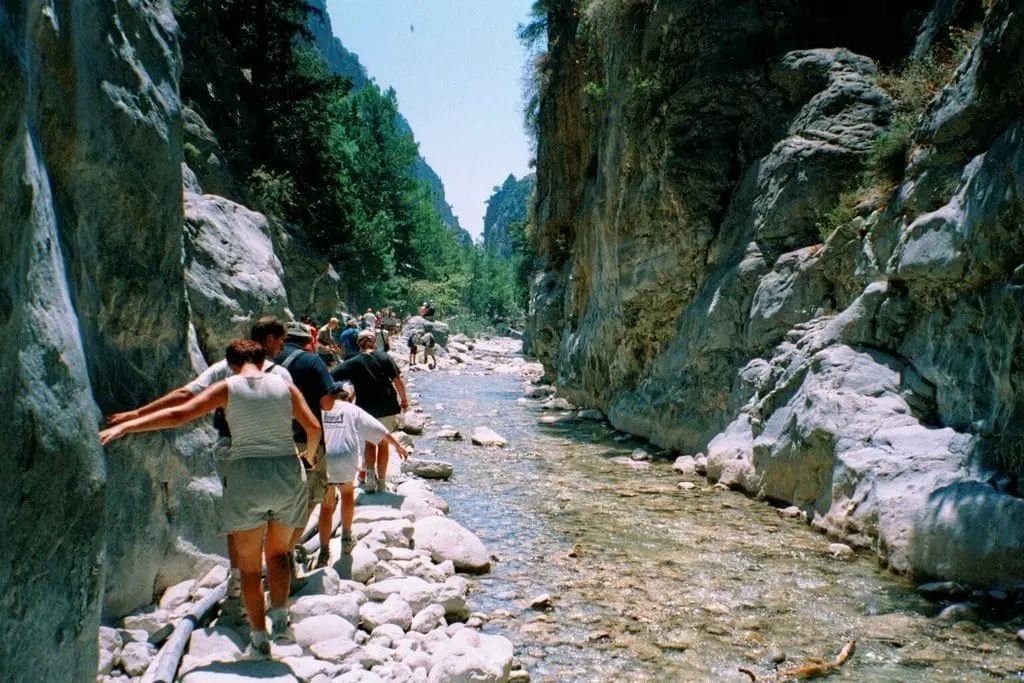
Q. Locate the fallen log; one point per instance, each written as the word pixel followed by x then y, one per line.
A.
pixel 165 665
pixel 813 670
pixel 818 667
pixel 311 525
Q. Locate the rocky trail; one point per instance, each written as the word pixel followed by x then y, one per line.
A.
pixel 548 546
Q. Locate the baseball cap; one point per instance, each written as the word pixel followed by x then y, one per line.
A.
pixel 297 330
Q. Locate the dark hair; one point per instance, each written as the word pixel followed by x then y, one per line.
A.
pixel 268 326
pixel 242 351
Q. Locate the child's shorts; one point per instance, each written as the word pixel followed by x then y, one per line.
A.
pixel 342 469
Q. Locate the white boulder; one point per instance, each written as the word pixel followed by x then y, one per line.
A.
pixel 485 436
pixel 446 539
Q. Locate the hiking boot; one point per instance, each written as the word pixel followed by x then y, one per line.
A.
pixel 298 581
pixel 348 544
pixel 370 485
pixel 281 626
pixel 322 558
pixel 259 646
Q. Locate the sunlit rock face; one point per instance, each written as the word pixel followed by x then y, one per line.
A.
pixel 94 316
pixel 871 374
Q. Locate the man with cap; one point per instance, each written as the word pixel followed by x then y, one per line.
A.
pixel 313 380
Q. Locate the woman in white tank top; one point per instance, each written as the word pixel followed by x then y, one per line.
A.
pixel 264 484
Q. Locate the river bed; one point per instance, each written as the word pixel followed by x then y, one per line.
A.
pixel 650 582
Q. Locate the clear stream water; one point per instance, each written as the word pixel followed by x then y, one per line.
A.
pixel 654 583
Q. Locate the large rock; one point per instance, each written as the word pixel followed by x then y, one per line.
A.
pixel 314 286
pixel 446 539
pixel 428 469
pixel 231 271
pixel 471 657
pixel 485 436
pixel 394 610
pixel 317 629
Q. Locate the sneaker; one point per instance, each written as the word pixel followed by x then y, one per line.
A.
pixel 259 646
pixel 281 626
pixel 298 581
pixel 370 485
pixel 382 485
pixel 348 544
pixel 323 557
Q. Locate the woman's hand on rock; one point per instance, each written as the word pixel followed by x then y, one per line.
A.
pixel 111 434
pixel 119 418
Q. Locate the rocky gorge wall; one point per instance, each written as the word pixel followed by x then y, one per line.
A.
pixel 119 280
pixel 689 156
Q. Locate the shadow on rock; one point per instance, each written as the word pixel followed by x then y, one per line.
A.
pixel 972 532
pixel 224 672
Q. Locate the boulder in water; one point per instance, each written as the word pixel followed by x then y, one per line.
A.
pixel 412 422
pixel 472 656
pixel 446 539
pixel 428 469
pixel 485 436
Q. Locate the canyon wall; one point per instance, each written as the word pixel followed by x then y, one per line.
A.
pixel 701 283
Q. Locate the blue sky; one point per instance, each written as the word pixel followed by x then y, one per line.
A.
pixel 457 68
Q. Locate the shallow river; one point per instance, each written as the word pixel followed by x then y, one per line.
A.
pixel 654 583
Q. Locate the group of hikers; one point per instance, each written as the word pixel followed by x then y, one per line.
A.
pixel 385 323
pixel 295 430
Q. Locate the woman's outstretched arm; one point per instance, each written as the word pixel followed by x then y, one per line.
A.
pixel 211 399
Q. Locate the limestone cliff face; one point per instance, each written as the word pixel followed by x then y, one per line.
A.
pixel 688 155
pixel 93 312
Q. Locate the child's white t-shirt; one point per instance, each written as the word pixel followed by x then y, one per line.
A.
pixel 347 427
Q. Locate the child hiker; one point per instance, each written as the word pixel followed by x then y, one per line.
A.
pixel 346 428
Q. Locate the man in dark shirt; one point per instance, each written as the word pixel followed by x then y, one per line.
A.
pixel 348 338
pixel 313 380
pixel 380 391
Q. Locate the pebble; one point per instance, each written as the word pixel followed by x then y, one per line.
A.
pixel 541 602
pixel 791 512
pixel 686 486
pixel 685 464
pixel 940 589
pixel 135 658
pixel 640 454
pixel 1020 635
pixel 840 551
pixel 960 611
pixel 777 656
